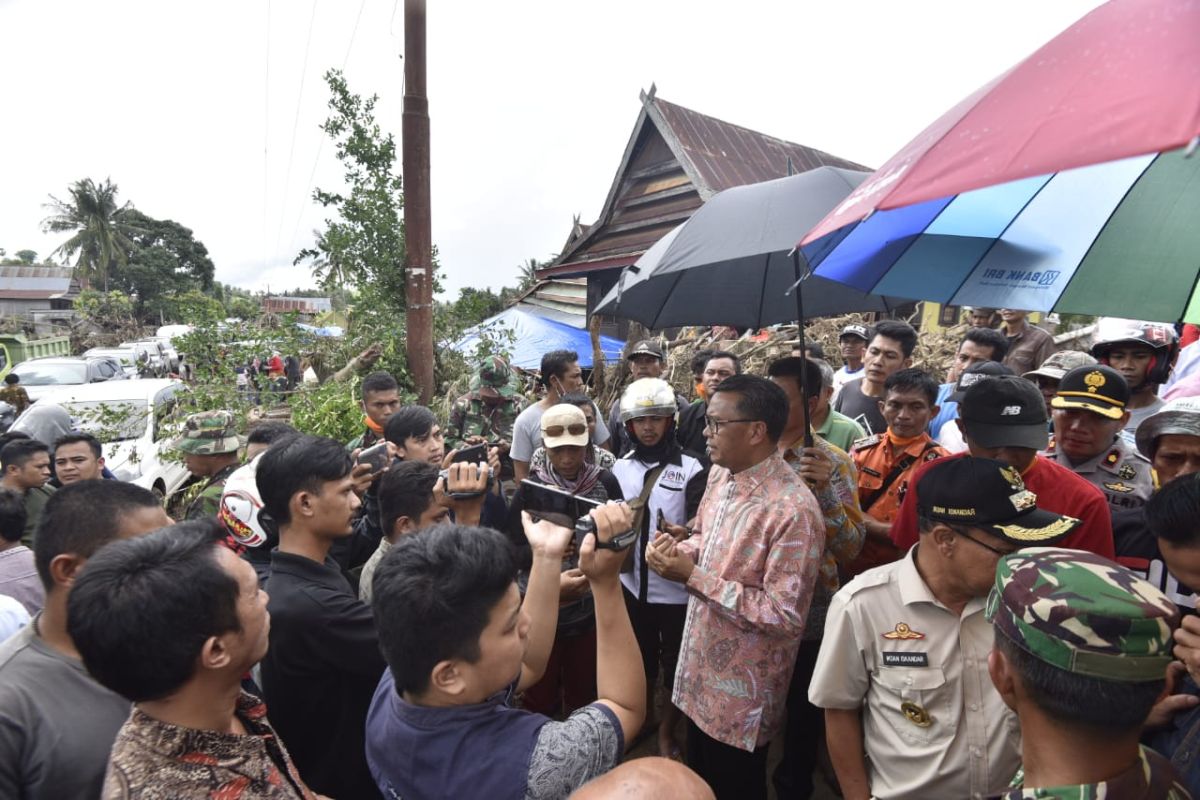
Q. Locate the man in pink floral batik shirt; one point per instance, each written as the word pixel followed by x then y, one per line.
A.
pixel 750 566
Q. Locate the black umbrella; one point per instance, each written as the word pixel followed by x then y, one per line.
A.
pixel 733 262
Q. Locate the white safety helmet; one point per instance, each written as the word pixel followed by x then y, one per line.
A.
pixel 647 397
pixel 241 510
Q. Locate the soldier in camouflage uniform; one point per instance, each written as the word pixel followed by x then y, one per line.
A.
pixel 210 452
pixel 14 394
pixel 1081 653
pixel 1089 411
pixel 488 411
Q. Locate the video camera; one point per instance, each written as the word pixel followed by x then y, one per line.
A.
pixel 570 511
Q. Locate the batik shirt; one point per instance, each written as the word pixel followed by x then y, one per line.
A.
pixel 1151 778
pixel 844 528
pixel 153 759
pixel 758 544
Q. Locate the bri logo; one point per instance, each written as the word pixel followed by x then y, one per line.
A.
pixel 1041 278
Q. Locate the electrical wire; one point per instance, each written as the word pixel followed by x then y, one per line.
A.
pixel 312 173
pixel 287 175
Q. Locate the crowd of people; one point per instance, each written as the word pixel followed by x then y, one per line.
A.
pixel 969 589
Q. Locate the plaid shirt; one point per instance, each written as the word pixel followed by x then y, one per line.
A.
pixel 758 544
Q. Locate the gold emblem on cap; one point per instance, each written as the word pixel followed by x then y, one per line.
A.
pixel 1094 380
pixel 1021 533
pixel 1013 477
pixel 915 714
pixel 902 631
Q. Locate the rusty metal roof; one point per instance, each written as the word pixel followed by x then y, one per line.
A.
pixel 674 161
pixel 305 305
pixel 725 155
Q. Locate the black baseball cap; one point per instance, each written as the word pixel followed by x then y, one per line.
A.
pixel 1096 387
pixel 861 331
pixel 646 347
pixel 1005 411
pixel 990 495
pixel 974 374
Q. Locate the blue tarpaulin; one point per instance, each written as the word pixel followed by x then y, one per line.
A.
pixel 533 336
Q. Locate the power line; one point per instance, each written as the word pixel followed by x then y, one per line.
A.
pixel 295 126
pixel 266 133
pixel 312 173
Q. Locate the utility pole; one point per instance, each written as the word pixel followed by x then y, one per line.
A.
pixel 418 238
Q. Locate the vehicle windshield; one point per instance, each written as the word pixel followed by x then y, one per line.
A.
pixel 51 374
pixel 109 420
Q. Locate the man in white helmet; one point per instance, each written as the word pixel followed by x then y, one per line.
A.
pixel 671 482
pixel 1143 352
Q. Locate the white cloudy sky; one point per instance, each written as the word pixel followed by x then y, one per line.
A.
pixel 207 113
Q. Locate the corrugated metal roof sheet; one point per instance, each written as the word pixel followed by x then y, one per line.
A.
pixel 676 159
pixel 47 281
pixel 727 155
pixel 562 300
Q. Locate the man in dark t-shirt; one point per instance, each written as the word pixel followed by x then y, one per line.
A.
pixel 890 351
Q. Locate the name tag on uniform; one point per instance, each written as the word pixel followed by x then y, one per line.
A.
pixel 906 659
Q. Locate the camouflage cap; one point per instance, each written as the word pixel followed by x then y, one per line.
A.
pixel 494 375
pixel 1059 364
pixel 209 433
pixel 1083 614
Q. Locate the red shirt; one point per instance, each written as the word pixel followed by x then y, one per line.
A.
pixel 1058 490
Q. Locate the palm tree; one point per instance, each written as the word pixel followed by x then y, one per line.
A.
pixel 527 276
pixel 100 235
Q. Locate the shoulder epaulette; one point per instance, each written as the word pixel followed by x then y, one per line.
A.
pixel 866 441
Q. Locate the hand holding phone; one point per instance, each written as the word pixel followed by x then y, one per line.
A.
pixel 377 456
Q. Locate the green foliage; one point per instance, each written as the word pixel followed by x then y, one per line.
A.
pixel 26 256
pixel 100 238
pixel 106 309
pixel 331 409
pixel 363 242
pixel 194 307
pixel 241 306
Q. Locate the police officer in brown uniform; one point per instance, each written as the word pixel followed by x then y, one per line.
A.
pixel 1089 411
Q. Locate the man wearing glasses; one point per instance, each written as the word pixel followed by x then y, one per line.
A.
pixel 902 673
pixel 749 567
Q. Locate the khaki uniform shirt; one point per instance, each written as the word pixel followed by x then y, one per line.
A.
pixel 933 725
pixel 1120 472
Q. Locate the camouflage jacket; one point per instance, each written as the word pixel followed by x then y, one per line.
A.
pixel 1151 778
pixel 15 396
pixel 469 416
pixel 208 502
pixel 365 439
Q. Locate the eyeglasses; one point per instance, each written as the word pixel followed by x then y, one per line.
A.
pixel 574 429
pixel 995 550
pixel 714 425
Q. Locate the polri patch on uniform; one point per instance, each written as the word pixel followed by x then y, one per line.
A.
pixel 905 659
pixel 1127 472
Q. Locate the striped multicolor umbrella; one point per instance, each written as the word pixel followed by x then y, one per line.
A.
pixel 1115 239
pixel 1065 184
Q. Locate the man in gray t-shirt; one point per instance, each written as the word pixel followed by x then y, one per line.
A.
pixel 57 724
pixel 561 375
pixel 527 431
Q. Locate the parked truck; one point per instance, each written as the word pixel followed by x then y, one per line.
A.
pixel 16 347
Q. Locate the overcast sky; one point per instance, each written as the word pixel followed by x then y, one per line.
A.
pixel 208 113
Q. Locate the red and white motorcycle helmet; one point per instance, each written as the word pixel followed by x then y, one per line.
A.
pixel 241 510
